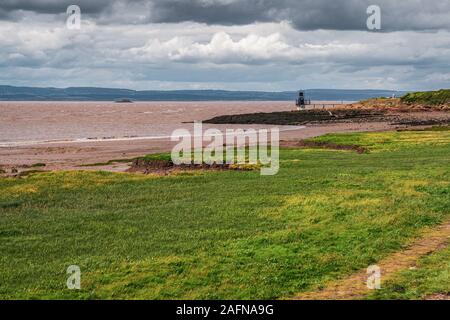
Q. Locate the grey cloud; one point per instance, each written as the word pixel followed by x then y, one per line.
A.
pixel 3 14
pixel 216 12
pixel 302 14
pixel 53 6
pixel 307 14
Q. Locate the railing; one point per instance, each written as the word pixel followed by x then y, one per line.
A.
pixel 310 106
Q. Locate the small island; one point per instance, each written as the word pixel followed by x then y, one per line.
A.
pixel 124 100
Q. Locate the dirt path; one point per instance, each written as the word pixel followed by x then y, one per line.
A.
pixel 354 286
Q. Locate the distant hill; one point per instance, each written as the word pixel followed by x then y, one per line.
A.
pixel 10 93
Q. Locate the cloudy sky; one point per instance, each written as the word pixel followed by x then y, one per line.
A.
pixel 226 44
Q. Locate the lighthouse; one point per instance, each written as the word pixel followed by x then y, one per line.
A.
pixel 301 101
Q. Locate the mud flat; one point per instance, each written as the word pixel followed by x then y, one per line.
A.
pixel 303 117
pixel 344 115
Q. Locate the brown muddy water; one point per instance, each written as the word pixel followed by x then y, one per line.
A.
pixel 27 123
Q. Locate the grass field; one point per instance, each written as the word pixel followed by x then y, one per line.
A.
pixel 227 234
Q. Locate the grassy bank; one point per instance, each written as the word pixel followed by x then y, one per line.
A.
pixel 225 234
pixel 430 98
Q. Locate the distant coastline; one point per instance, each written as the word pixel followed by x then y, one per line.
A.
pixel 12 93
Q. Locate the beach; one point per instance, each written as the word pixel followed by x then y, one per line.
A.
pixel 67 135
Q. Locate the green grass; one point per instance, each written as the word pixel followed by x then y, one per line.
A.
pixel 246 155
pixel 430 277
pixel 428 97
pixel 158 157
pixel 377 142
pixel 227 234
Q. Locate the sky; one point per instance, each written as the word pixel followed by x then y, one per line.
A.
pixel 269 45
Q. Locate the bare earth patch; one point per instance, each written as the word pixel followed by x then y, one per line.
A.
pixel 355 287
pixel 322 145
pixel 164 167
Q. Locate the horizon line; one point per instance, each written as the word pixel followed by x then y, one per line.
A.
pixel 209 89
